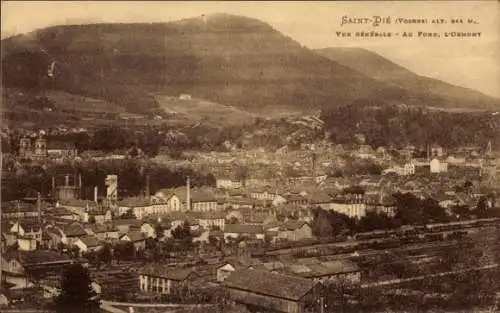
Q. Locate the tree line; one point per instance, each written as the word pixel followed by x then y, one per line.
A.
pixel 391 125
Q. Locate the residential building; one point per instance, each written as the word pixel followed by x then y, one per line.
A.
pixel 235 231
pixel 199 200
pixel 274 291
pixel 137 238
pixel 210 220
pixel 88 244
pixel 293 230
pixel 162 279
pixel 338 271
pixel 28 228
pixel 438 166
pixel 228 183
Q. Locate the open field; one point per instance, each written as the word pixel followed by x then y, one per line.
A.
pixel 199 110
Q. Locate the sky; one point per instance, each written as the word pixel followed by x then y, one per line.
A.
pixel 468 62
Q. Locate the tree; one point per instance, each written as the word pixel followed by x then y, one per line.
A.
pixel 321 226
pixel 159 230
pixel 92 220
pixel 76 292
pixel 241 174
pixel 104 254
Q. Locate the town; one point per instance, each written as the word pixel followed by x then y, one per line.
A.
pixel 180 157
pixel 260 223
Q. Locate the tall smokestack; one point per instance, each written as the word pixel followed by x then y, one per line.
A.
pixel 66 180
pixel 148 192
pixel 39 208
pixel 53 193
pixel 188 195
pixel 80 185
pixel 95 193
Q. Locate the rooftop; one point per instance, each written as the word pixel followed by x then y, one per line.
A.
pixel 271 284
pixel 172 273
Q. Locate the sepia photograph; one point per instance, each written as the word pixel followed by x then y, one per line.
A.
pixel 250 157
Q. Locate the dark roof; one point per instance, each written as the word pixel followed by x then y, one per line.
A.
pixel 196 195
pixel 320 197
pixel 60 145
pixel 211 215
pixel 74 230
pixel 135 236
pixel 172 273
pixel 78 203
pixel 35 257
pixel 29 224
pixel 96 229
pixel 90 241
pixel 132 222
pixel 243 229
pixel 293 225
pixel 134 202
pixel 271 284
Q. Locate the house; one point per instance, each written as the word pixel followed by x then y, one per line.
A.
pixel 242 230
pixel 444 200
pixel 23 267
pixel 201 236
pixel 408 169
pixel 258 217
pixel 295 230
pixel 337 271
pixel 26 243
pixel 63 213
pixel 321 199
pixel 142 207
pixel 200 200
pixel 61 149
pixel 275 292
pixel 159 278
pixel 148 229
pixel 88 244
pixel 210 220
pixel 137 238
pixel 279 200
pixel 125 225
pixel 52 237
pixel 227 182
pixel 105 232
pixel 437 150
pixel 438 166
pixel 179 218
pixel 296 199
pixel 28 228
pixel 350 206
pixel 11 210
pixel 72 232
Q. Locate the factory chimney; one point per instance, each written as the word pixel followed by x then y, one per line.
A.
pixel 66 180
pixel 95 193
pixel 148 191
pixel 53 193
pixel 80 185
pixel 39 208
pixel 188 195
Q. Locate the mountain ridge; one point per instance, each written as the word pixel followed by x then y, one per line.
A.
pixel 383 69
pixel 232 60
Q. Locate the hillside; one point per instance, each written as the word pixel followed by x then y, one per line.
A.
pixel 226 59
pixel 430 92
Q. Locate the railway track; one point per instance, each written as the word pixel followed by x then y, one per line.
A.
pixel 356 243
